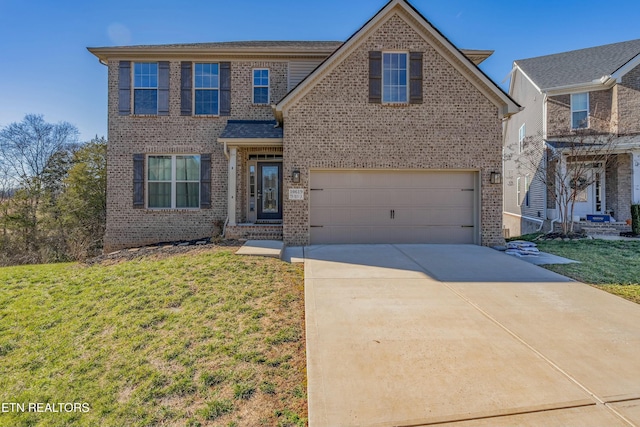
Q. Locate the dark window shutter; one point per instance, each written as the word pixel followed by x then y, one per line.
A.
pixel 138 181
pixel 225 88
pixel 415 80
pixel 124 88
pixel 205 181
pixel 163 88
pixel 185 88
pixel 375 77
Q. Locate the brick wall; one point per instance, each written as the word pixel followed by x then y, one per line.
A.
pixel 618 188
pixel 334 126
pixel 127 227
pixel 559 113
pixel 629 102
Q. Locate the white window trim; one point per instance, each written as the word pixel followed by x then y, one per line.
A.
pixel 521 135
pixel 194 89
pixel 527 196
pixel 134 87
pixel 518 193
pixel 254 86
pixel 577 111
pixel 173 181
pixel 408 84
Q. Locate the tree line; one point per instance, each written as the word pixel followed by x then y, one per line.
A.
pixel 52 193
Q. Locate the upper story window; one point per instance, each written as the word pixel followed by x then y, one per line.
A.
pixel 207 89
pixel 394 77
pixel 521 135
pixel 579 111
pixel 145 88
pixel 261 86
pixel 173 181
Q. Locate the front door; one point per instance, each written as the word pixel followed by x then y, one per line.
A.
pixel 269 191
pixel 589 198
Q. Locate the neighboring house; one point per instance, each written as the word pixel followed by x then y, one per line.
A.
pixel 389 137
pixel 594 91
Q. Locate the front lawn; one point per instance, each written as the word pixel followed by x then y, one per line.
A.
pixel 204 338
pixel 610 265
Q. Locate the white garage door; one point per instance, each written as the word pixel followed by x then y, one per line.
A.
pixel 393 207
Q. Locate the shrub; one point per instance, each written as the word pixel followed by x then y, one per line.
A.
pixel 635 219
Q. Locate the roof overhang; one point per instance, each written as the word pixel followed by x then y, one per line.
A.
pixel 476 56
pixel 195 52
pixel 591 143
pixel 603 83
pixel 440 43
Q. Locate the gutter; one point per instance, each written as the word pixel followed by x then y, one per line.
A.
pixel 604 82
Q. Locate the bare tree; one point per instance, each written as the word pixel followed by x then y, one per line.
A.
pixel 26 148
pixel 567 166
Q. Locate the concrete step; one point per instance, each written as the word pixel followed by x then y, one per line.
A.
pixel 267 248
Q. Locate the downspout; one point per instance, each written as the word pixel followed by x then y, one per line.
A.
pixel 226 151
pixel 535 220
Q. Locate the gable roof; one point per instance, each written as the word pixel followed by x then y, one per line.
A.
pixel 455 56
pixel 583 66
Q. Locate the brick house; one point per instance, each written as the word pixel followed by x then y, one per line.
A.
pixel 591 93
pixel 392 136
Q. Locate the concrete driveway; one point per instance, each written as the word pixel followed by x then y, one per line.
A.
pixel 461 335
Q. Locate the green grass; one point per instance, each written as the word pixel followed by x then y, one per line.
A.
pixel 613 266
pixel 204 338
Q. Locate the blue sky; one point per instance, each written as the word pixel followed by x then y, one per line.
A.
pixel 46 69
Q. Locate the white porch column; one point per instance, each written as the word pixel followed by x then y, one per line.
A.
pixel 635 180
pixel 232 184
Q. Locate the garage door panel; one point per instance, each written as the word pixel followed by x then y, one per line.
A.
pixel 442 216
pixel 393 207
pixel 444 197
pixel 397 197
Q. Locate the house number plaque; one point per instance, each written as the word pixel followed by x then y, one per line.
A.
pixel 296 194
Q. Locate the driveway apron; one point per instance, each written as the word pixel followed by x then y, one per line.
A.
pixel 412 335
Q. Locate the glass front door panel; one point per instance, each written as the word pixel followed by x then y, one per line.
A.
pixel 270 190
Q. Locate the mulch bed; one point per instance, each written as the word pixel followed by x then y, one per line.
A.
pixel 161 250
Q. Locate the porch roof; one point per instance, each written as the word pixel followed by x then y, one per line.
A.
pixel 617 145
pixel 243 132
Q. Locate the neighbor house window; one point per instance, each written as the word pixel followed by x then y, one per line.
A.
pixel 521 135
pixel 394 77
pixel 207 89
pixel 518 194
pixel 579 110
pixel 145 88
pixel 173 181
pixel 261 86
pixel 527 184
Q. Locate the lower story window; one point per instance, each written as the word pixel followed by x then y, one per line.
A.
pixel 173 181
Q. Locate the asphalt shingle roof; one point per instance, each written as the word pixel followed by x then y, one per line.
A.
pixel 579 66
pixel 259 44
pixel 246 129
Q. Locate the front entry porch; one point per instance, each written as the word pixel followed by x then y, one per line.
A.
pixel 254 186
